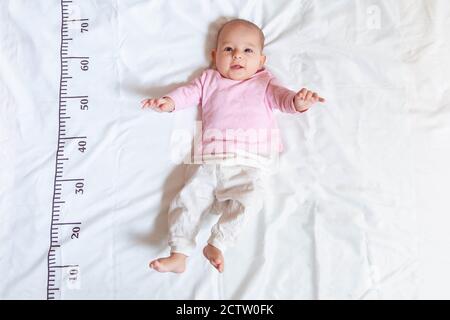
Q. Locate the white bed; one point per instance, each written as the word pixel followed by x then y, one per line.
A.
pixel 358 210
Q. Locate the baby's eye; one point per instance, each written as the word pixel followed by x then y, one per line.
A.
pixel 228 49
pixel 248 50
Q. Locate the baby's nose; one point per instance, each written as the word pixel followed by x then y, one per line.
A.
pixel 237 54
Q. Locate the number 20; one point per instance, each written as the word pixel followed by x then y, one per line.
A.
pixel 75 233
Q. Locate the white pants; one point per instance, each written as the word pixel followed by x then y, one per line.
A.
pixel 234 191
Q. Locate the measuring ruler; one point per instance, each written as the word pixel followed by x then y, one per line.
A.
pixel 64 270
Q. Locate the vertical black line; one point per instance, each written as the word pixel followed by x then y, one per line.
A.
pixel 56 156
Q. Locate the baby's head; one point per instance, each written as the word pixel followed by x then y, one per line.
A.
pixel 238 54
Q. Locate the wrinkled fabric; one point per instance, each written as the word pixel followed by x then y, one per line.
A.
pixel 357 210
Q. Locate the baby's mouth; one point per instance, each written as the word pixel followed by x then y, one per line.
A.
pixel 237 67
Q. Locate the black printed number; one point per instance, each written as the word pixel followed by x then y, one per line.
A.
pixel 84 65
pixel 82 146
pixel 75 232
pixel 79 187
pixel 84 27
pixel 84 104
pixel 73 274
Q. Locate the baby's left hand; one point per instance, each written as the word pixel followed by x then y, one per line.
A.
pixel 305 98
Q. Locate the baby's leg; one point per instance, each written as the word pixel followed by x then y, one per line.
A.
pixel 185 215
pixel 240 191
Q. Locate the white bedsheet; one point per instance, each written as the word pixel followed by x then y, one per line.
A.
pixel 357 210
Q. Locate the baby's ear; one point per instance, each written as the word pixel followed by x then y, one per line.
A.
pixel 262 60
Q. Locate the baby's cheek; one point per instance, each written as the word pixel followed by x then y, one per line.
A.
pixel 253 66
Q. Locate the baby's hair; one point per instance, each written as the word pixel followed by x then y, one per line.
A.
pixel 248 24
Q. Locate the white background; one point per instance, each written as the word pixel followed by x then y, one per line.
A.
pixel 358 210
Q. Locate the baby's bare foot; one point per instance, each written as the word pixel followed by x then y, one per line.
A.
pixel 176 263
pixel 214 256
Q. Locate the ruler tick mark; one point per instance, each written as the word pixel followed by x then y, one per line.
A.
pixel 76 57
pixel 67 138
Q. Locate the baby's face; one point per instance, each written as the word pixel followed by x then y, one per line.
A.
pixel 238 55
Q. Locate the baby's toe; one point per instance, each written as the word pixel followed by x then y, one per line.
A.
pixel 218 264
pixel 155 264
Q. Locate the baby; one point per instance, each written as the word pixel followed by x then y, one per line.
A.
pixel 237 95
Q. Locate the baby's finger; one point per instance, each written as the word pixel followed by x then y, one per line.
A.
pixel 155 108
pixel 159 102
pixel 309 95
pixel 150 103
pixel 303 91
pixel 301 94
pixel 321 99
pixel 315 96
pixel 166 107
pixel 147 102
pixel 156 103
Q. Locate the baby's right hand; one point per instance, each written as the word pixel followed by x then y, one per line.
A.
pixel 164 104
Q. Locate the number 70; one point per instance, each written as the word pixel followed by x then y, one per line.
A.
pixel 84 27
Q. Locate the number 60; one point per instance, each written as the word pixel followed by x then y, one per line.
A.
pixel 84 65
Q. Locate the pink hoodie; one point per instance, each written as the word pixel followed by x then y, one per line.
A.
pixel 236 114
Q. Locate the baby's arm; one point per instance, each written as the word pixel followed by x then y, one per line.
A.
pixel 180 98
pixel 289 101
